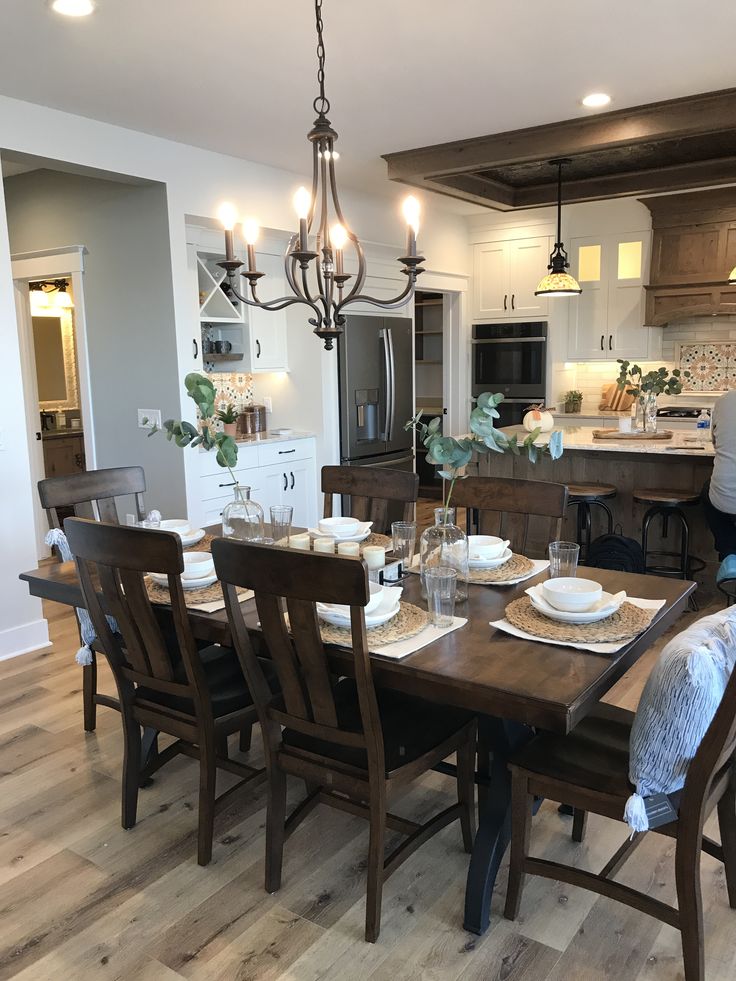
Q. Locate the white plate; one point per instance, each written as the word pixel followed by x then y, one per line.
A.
pixel 193 537
pixel 186 583
pixel 608 607
pixel 490 563
pixel 364 531
pixel 339 616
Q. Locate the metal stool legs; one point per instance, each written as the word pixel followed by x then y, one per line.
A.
pixel 584 523
pixel 682 570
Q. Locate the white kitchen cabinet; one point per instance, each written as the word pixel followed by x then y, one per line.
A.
pixel 292 483
pixel 606 320
pixel 505 275
pixel 267 328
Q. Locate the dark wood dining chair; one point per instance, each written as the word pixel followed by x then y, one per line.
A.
pixel 197 696
pixel 589 770
pixel 92 494
pixel 351 743
pixel 527 512
pixel 372 492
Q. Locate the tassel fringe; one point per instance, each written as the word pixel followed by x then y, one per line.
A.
pixel 84 656
pixel 635 814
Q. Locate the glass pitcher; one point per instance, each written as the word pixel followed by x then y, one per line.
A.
pixel 445 544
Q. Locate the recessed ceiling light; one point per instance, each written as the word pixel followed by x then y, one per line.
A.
pixel 74 8
pixel 596 100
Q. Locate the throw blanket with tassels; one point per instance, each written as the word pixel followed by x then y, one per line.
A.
pixel 57 538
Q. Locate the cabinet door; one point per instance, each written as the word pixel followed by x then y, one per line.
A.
pixel 491 281
pixel 301 493
pixel 273 484
pixel 268 327
pixel 528 260
pixel 628 257
pixel 588 337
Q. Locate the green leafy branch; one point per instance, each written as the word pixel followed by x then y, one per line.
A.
pixel 454 454
pixel 658 381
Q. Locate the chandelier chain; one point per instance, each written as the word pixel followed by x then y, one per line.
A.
pixel 321 103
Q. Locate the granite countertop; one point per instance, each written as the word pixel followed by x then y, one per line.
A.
pixel 682 442
pixel 269 437
pixel 60 433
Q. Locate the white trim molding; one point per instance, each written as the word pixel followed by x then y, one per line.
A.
pixel 23 639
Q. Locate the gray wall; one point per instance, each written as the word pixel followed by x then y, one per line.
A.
pixel 129 309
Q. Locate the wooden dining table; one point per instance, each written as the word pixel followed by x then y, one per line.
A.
pixel 516 686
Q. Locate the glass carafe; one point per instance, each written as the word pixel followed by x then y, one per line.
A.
pixel 443 543
pixel 242 518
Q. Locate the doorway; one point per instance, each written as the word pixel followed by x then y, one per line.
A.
pixel 50 312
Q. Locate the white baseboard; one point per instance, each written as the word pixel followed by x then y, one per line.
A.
pixel 23 639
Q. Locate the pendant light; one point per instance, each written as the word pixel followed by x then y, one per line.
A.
pixel 558 281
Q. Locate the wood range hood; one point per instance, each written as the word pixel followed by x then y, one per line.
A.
pixel 693 252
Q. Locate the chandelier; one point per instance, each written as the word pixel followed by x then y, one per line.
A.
pixel 314 262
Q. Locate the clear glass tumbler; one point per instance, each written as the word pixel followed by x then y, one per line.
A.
pixel 563 559
pixel 281 516
pixel 441 583
pixel 404 538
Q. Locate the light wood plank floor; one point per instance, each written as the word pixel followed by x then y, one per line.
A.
pixel 83 899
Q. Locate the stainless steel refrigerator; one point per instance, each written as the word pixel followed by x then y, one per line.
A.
pixel 376 371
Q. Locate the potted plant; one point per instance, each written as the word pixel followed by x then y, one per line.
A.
pixel 445 543
pixel 573 400
pixel 228 417
pixel 646 387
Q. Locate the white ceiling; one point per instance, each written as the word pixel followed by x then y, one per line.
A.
pixel 238 76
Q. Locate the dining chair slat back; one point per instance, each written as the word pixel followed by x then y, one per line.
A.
pixel 371 491
pixel 527 512
pixel 146 662
pixel 92 495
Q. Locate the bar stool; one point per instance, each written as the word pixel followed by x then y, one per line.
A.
pixel 726 579
pixel 584 496
pixel 668 504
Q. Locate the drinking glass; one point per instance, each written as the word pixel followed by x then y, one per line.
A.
pixel 563 559
pixel 404 536
pixel 281 515
pixel 441 583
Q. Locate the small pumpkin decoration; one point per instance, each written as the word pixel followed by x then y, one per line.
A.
pixel 538 417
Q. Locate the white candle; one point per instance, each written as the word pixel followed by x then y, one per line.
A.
pixel 324 545
pixel 374 556
pixel 300 541
pixel 348 548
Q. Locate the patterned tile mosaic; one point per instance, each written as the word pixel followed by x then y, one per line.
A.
pixel 712 366
pixel 235 387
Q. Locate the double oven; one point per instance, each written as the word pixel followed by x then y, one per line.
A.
pixel 511 359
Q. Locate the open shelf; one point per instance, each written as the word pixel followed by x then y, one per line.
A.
pixel 213 303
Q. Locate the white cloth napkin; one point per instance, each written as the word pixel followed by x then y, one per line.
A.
pixel 219 604
pixel 603 648
pixel 539 565
pixel 403 648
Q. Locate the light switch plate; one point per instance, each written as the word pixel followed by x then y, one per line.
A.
pixel 268 403
pixel 151 416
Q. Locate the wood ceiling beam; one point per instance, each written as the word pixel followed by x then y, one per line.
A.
pixel 711 112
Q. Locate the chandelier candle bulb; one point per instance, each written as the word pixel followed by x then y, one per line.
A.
pixel 302 204
pixel 250 234
pixel 411 210
pixel 338 238
pixel 228 216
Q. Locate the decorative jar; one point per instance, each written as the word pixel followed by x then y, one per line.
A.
pixel 243 518
pixel 443 543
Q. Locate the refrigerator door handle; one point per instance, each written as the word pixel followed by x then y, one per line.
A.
pixel 390 417
pixel 384 335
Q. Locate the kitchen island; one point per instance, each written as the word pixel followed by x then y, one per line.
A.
pixel 678 463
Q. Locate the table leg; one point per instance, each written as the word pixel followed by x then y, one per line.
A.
pixel 497 740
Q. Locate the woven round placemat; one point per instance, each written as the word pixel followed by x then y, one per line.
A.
pixel 625 624
pixel 517 565
pixel 408 622
pixel 192 597
pixel 203 545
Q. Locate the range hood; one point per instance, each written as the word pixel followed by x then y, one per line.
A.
pixel 693 252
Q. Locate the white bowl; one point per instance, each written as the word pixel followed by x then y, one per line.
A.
pixel 197 565
pixel 376 591
pixel 179 525
pixel 486 546
pixel 339 527
pixel 572 595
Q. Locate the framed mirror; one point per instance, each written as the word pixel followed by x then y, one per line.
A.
pixel 56 361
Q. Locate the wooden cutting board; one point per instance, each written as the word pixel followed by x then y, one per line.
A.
pixel 616 434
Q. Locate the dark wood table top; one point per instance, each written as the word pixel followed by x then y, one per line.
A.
pixel 476 667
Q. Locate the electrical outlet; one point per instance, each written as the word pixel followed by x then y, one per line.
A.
pixel 150 416
pixel 130 519
pixel 268 403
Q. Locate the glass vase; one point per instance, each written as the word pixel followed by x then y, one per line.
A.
pixel 639 419
pixel 443 543
pixel 242 518
pixel 650 413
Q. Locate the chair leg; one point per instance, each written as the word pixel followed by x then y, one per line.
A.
pixel 466 792
pixel 690 904
pixel 221 746
pixel 579 824
pixel 521 830
pixel 207 789
pixel 727 826
pixel 89 691
pixel 131 768
pixel 275 831
pixel 246 734
pixel 374 890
